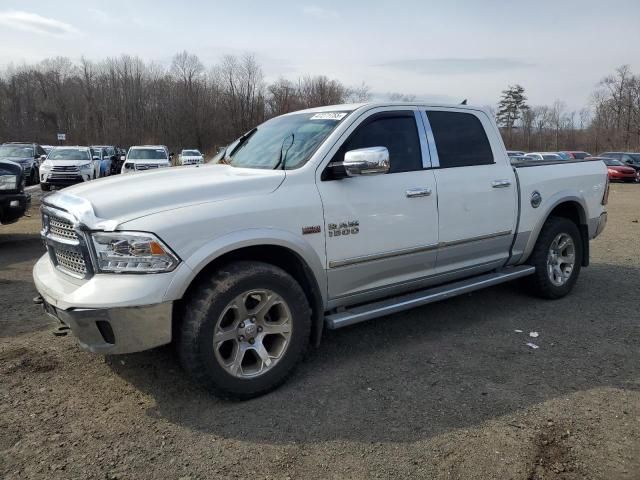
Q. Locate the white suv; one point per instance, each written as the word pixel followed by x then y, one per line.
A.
pixel 191 157
pixel 146 157
pixel 66 166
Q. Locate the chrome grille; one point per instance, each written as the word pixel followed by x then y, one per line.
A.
pixel 65 169
pixel 67 247
pixel 146 166
pixel 62 228
pixel 70 261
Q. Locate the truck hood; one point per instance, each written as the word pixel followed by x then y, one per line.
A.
pixel 20 160
pixel 122 198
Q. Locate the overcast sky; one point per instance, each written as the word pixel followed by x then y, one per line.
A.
pixel 446 50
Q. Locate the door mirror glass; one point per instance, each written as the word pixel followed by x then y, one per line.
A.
pixel 366 161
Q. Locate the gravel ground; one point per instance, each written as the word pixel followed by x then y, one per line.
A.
pixel 445 391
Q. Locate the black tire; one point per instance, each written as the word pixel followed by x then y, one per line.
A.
pixel 540 282
pixel 202 310
pixel 35 179
pixel 45 187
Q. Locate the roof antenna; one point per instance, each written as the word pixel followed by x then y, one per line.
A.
pixel 464 102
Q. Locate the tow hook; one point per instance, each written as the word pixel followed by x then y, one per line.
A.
pixel 61 330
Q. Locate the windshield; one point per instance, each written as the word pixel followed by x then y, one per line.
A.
pixel 635 157
pixel 191 153
pixel 96 152
pixel 262 147
pixel 68 154
pixel 580 155
pixel 551 156
pixel 613 163
pixel 147 154
pixel 16 151
pixel 563 156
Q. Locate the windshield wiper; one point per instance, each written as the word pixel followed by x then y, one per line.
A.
pixel 226 158
pixel 284 149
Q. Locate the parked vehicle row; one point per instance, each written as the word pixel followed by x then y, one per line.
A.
pixel 621 166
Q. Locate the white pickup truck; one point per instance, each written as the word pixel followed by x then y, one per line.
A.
pixel 316 219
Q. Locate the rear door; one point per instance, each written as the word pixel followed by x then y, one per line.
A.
pixel 381 230
pixel 477 191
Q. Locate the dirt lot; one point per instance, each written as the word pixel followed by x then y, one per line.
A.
pixel 445 391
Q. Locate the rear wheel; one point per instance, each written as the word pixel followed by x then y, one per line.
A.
pixel 557 257
pixel 244 330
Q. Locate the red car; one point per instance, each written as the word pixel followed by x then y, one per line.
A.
pixel 620 172
pixel 577 154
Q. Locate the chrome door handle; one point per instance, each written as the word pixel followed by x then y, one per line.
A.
pixel 501 183
pixel 418 192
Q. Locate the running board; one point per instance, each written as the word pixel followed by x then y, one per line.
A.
pixel 423 297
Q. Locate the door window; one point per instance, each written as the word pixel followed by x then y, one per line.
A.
pixel 397 131
pixel 460 139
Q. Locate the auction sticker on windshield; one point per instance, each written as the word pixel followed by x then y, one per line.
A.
pixel 329 116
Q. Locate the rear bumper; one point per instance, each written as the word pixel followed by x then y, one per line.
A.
pixel 596 225
pixel 117 330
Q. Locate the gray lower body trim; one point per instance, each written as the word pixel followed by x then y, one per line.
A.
pixel 412 250
pixel 412 300
pixel 381 256
pixel 134 328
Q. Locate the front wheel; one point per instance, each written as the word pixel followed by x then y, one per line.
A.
pixel 557 257
pixel 244 330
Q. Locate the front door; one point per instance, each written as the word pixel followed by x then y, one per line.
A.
pixel 381 230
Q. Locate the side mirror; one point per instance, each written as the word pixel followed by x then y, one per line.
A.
pixel 96 157
pixel 366 161
pixel 122 158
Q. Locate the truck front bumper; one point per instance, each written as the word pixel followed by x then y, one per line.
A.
pixel 13 206
pixel 109 314
pixel 117 330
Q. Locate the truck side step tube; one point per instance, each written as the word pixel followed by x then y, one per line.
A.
pixel 423 297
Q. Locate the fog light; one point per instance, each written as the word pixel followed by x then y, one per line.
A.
pixel 14 204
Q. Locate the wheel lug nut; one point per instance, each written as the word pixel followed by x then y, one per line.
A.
pixel 259 329
pixel 253 320
pixel 252 341
pixel 241 338
pixel 241 324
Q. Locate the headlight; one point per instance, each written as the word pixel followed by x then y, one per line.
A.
pixel 132 252
pixel 8 182
pixel 46 166
pixel 86 166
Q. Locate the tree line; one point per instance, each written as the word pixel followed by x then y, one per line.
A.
pixel 610 121
pixel 126 101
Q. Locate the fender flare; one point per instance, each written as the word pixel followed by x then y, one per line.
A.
pixel 557 199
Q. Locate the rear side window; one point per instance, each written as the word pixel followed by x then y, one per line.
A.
pixel 460 139
pixel 398 132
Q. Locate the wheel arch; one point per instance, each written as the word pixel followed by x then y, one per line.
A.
pixel 572 208
pixel 293 258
